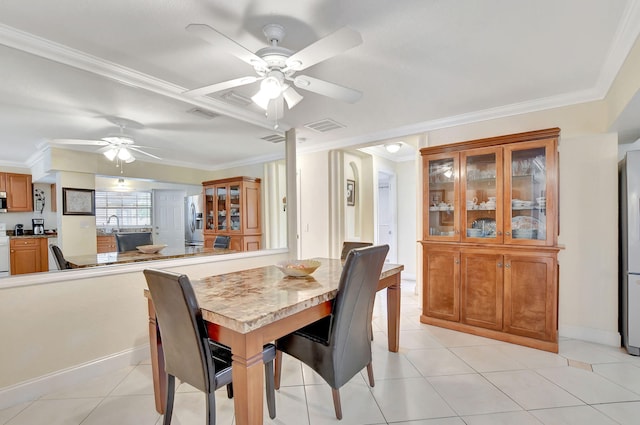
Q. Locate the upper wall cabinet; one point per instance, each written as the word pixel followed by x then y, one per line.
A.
pixel 504 194
pixel 19 191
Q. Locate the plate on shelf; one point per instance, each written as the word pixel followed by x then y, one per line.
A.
pixel 525 222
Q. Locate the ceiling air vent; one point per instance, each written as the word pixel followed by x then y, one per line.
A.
pixel 202 113
pixel 274 138
pixel 324 125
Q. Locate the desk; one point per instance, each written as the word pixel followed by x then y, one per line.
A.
pixel 249 308
pixel 106 258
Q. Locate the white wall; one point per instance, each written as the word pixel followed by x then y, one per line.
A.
pixel 407 183
pixel 589 231
pixel 55 322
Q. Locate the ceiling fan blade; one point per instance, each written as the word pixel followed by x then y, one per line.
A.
pixel 325 48
pixel 80 142
pixel 328 89
pixel 214 37
pixel 221 86
pixel 143 152
pixel 291 96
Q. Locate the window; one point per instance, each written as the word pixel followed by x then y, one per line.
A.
pixel 133 209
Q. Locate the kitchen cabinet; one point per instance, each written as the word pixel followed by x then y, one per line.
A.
pixel 106 244
pixel 19 191
pixel 233 208
pixel 490 228
pixel 28 255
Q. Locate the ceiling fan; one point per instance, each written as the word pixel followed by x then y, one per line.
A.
pixel 275 66
pixel 117 147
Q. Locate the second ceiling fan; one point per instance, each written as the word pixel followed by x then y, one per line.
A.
pixel 275 67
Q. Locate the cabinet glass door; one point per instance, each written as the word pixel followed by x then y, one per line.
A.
pixel 209 208
pixel 527 167
pixel 221 208
pixel 482 195
pixel 442 202
pixel 234 207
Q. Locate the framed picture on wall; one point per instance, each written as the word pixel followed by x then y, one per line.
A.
pixel 351 193
pixel 78 201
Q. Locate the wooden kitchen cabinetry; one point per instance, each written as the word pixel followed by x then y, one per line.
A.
pixel 29 255
pixel 232 208
pixel 490 237
pixel 106 244
pixel 19 191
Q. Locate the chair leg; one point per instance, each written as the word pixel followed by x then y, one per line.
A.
pixel 211 408
pixel 278 370
pixel 336 403
pixel 271 393
pixel 171 389
pixel 230 391
pixel 370 373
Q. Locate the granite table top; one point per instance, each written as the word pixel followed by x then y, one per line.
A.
pixel 249 299
pixel 107 258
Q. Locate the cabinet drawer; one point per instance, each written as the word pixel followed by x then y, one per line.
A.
pixel 15 243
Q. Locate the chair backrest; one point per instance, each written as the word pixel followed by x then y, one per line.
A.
pixel 348 246
pixel 60 261
pixel 182 329
pixel 350 334
pixel 222 242
pixel 129 241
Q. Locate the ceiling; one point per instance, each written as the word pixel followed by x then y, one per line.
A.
pixel 71 69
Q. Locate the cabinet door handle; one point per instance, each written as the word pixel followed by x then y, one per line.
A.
pixel 457 261
pixel 499 233
pixel 507 233
pixel 508 266
pixel 499 265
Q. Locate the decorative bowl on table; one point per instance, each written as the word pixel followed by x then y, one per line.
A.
pixel 298 268
pixel 150 249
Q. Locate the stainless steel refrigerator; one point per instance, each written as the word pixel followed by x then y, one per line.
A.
pixel 629 184
pixel 193 234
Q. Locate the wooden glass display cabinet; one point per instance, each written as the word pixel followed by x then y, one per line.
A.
pixel 232 208
pixel 490 234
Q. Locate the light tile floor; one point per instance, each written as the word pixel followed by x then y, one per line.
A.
pixel 439 377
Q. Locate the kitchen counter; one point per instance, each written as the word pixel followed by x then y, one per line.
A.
pixel 46 235
pixel 107 258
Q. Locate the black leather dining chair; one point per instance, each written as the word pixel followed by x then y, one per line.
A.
pixel 338 346
pixel 222 242
pixel 129 241
pixel 348 246
pixel 60 260
pixel 189 354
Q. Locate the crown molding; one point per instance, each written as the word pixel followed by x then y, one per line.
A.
pixel 65 55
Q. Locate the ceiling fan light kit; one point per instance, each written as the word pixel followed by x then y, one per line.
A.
pixel 275 65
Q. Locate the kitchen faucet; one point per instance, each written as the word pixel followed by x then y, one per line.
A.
pixel 117 221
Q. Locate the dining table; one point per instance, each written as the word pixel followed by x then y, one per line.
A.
pixel 249 308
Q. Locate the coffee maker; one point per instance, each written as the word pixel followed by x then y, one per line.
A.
pixel 38 226
pixel 18 230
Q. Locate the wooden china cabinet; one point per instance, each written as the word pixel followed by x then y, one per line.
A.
pixel 490 239
pixel 232 208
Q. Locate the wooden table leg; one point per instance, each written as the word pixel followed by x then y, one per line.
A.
pixel 248 378
pixel 157 361
pixel 393 313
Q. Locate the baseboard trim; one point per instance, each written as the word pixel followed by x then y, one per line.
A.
pixel 36 387
pixel 598 336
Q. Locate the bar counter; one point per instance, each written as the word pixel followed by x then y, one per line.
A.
pixel 107 258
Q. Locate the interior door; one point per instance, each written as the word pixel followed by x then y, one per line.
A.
pixel 168 218
pixel 386 214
